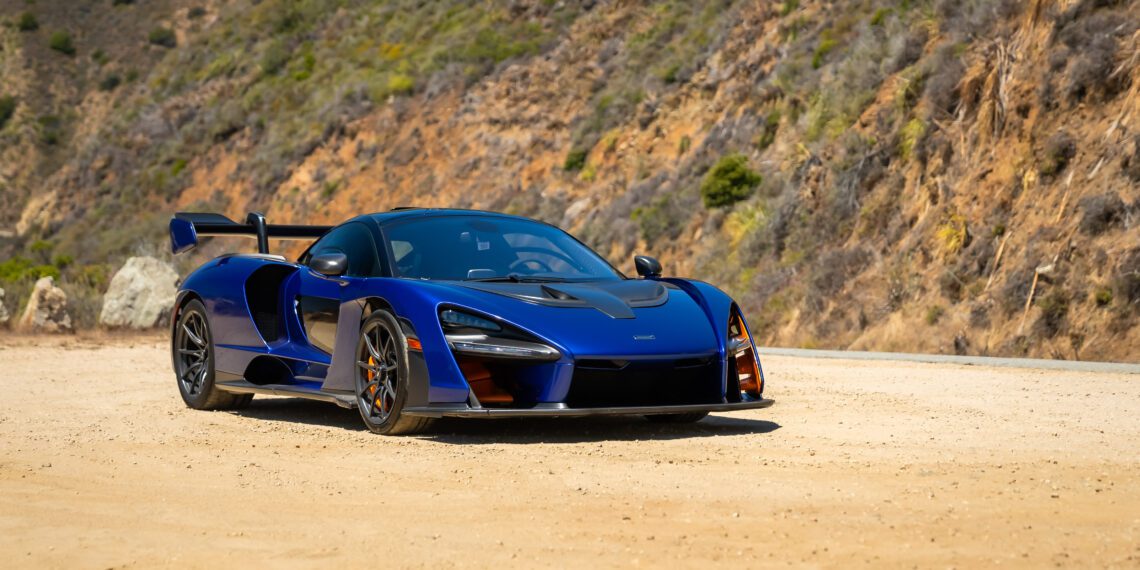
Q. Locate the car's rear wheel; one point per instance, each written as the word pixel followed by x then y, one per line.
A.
pixel 687 418
pixel 382 377
pixel 194 363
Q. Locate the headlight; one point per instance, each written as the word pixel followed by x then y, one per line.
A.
pixel 479 336
pixel 455 319
pixel 483 345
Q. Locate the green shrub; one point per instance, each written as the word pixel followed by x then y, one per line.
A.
pixel 826 45
pixel 196 12
pixel 51 129
pixel 122 2
pixel 1103 297
pixel 14 269
pixel 275 57
pixel 789 6
pixel 62 261
pixel 7 109
pixel 880 16
pixel 99 57
pixel 911 135
pixel 401 84
pixel 27 22
pixel 110 82
pixel 934 313
pixel 659 219
pixel 45 270
pixel 163 37
pixel 575 160
pixel 729 182
pixel 768 132
pixel 684 145
pixel 61 41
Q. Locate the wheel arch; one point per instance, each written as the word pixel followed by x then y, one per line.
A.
pixel 180 301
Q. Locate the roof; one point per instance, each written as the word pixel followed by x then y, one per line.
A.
pixel 412 212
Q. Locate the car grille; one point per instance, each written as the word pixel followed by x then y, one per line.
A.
pixel 600 383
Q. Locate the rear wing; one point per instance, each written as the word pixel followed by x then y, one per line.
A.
pixel 187 227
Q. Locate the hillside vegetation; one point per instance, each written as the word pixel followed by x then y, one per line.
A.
pixel 935 176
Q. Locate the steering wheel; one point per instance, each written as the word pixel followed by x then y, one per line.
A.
pixel 542 266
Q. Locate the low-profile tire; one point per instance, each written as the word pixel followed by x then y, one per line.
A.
pixel 382 377
pixel 686 418
pixel 193 348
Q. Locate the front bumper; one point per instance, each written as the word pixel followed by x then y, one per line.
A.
pixel 561 410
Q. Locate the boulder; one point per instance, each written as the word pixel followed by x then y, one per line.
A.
pixel 47 309
pixel 141 295
pixel 3 310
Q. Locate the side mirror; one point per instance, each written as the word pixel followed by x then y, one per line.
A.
pixel 332 264
pixel 647 266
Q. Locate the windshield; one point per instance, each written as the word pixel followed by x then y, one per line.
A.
pixel 490 249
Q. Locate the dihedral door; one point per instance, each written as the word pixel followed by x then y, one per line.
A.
pixel 318 304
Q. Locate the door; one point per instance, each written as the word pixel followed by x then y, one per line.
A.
pixel 318 304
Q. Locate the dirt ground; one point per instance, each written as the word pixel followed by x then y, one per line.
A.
pixel 859 464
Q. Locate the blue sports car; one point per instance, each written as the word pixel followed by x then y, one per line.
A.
pixel 417 314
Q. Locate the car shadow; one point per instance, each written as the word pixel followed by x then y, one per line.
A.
pixel 513 430
pixel 587 429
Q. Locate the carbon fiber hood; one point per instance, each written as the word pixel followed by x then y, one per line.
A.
pixel 616 299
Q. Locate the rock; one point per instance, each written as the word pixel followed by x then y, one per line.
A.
pixel 47 309
pixel 141 294
pixel 3 311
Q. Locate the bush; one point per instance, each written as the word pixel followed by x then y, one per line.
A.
pixel 910 137
pixel 163 37
pixel 401 84
pixel 1100 213
pixel 660 219
pixel 122 2
pixel 933 313
pixel 1126 281
pixel 275 57
pixel 1059 150
pixel 1054 307
pixel 27 22
pixel 99 57
pixel 1103 297
pixel 729 182
pixel 196 12
pixel 880 16
pixel 826 46
pixel 7 109
pixel 110 82
pixel 768 131
pixel 61 41
pixel 51 129
pixel 953 235
pixel 575 160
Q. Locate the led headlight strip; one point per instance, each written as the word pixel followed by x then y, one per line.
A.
pixel 478 336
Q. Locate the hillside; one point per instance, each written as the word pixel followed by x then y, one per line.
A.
pixel 860 174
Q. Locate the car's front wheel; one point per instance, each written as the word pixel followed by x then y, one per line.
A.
pixel 382 377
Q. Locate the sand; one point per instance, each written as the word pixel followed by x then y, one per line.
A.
pixel 882 464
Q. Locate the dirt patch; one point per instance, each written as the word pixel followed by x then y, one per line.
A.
pixel 859 464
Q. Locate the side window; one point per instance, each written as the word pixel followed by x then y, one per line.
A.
pixel 355 241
